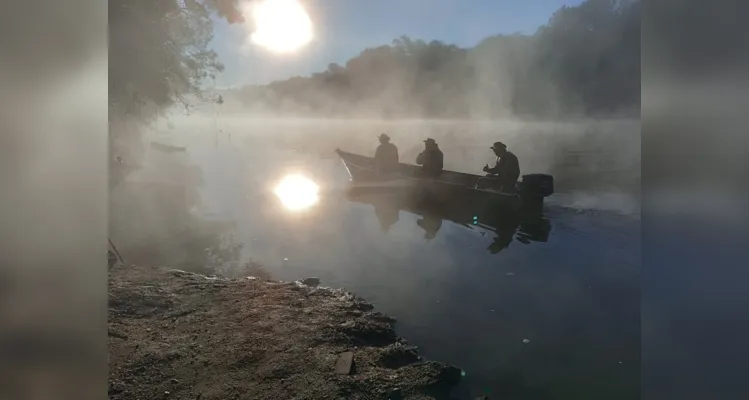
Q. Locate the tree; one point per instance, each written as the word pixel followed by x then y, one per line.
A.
pixel 604 73
pixel 586 59
pixel 158 57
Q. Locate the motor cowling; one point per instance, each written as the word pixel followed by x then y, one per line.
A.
pixel 537 185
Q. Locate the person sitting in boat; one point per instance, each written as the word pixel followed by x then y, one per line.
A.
pixel 386 155
pixel 430 159
pixel 507 169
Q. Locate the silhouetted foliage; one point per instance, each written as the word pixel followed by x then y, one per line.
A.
pixel 692 36
pixel 158 57
pixel 585 60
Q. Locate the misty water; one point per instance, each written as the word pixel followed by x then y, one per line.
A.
pixel 548 310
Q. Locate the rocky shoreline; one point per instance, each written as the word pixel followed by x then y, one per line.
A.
pixel 180 335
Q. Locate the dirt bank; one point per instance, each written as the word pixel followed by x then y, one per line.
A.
pixel 178 335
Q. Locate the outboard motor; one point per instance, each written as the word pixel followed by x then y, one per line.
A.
pixel 535 187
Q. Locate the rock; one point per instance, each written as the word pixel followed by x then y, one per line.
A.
pixel 368 332
pixel 397 356
pixel 116 334
pixel 312 282
pixel 344 364
pixel 116 387
pixel 395 394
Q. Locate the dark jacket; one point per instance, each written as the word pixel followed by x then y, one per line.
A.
pixel 507 169
pixel 386 158
pixel 430 161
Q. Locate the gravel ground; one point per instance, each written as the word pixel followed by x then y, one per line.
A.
pixel 179 335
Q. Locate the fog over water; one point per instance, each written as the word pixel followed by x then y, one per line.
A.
pixel 468 295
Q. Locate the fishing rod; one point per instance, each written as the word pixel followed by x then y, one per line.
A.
pixel 117 253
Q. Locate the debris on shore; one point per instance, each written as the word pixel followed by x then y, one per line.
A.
pixel 180 335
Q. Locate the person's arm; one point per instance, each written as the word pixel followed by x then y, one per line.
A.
pixel 493 170
pixel 420 158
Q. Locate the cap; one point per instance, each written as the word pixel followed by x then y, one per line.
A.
pixel 384 136
pixel 498 145
pixel 430 140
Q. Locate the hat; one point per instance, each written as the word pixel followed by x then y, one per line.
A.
pixel 430 141
pixel 498 145
pixel 384 136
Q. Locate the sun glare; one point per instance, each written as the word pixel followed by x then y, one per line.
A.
pixel 297 192
pixel 282 26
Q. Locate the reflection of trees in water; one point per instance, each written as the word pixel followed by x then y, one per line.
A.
pixel 155 223
pixel 199 245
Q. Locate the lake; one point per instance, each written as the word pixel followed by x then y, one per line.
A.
pixel 545 308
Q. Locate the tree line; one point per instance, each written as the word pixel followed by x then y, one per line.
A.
pixel 584 61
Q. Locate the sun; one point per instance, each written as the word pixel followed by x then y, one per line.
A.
pixel 297 192
pixel 281 26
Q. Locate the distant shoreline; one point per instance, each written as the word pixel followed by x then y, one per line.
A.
pixel 395 121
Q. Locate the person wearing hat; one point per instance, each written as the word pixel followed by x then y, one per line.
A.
pixel 507 168
pixel 386 156
pixel 430 159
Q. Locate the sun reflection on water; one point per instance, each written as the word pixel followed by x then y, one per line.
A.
pixel 297 192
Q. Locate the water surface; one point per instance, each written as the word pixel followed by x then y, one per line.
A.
pixel 545 308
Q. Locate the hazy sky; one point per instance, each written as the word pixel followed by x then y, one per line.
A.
pixel 343 28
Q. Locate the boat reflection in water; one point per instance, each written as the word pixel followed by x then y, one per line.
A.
pixel 431 224
pixel 524 226
pixel 387 215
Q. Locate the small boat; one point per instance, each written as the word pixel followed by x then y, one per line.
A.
pixel 449 186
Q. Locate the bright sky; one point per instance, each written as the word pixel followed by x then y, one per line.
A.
pixel 343 28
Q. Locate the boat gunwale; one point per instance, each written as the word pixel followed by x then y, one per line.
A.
pixel 342 154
